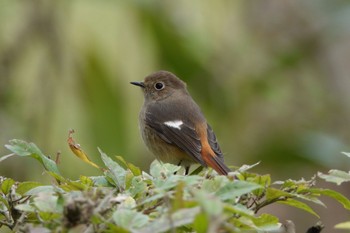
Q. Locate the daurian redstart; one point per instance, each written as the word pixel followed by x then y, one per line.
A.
pixel 173 126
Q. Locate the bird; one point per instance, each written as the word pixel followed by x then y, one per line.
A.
pixel 173 126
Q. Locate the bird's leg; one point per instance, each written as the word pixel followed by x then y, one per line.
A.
pixel 179 164
pixel 187 170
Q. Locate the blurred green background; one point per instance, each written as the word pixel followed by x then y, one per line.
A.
pixel 272 78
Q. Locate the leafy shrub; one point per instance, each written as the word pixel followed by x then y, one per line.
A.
pixel 126 199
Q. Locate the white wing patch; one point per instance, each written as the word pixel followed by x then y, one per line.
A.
pixel 174 124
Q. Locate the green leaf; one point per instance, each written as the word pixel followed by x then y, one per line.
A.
pixel 128 179
pixel 127 202
pixel 74 185
pixel 49 216
pixel 23 148
pixel 178 202
pixel 121 161
pixel 236 189
pixel 213 185
pixel 262 223
pixel 112 227
pixel 152 198
pixel 41 189
pixel 266 222
pixel 192 180
pixel 6 185
pixel 264 181
pixel 86 181
pixel 25 207
pixel 307 197
pixel 240 210
pixel 335 195
pixel 116 172
pixel 299 205
pixel 275 194
pixel 100 181
pixel 201 223
pixel 26 186
pixel 335 176
pixel 46 202
pixel 209 203
pixel 4 201
pixel 49 164
pixel 130 219
pixel 137 186
pixel 166 222
pixel 135 170
pixel 343 225
pixel 60 203
pixel 58 177
pixel 166 184
pixel 19 147
pixel 242 224
pixel 162 170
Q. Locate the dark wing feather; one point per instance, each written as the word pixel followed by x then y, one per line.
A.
pixel 213 142
pixel 185 138
pixel 217 162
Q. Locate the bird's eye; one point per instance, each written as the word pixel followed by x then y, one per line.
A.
pixel 159 86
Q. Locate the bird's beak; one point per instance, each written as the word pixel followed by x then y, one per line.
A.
pixel 140 84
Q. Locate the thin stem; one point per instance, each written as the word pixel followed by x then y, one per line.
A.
pixel 268 202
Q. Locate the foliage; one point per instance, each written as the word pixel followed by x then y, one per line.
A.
pixel 126 199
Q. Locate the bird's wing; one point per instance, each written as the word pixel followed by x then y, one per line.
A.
pixel 213 142
pixel 178 132
pixel 213 156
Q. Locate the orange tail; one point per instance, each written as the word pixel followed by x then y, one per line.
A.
pixel 216 163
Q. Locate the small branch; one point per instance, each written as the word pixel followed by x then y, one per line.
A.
pixel 5 223
pixel 6 157
pixel 268 202
pixel 152 208
pixel 20 221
